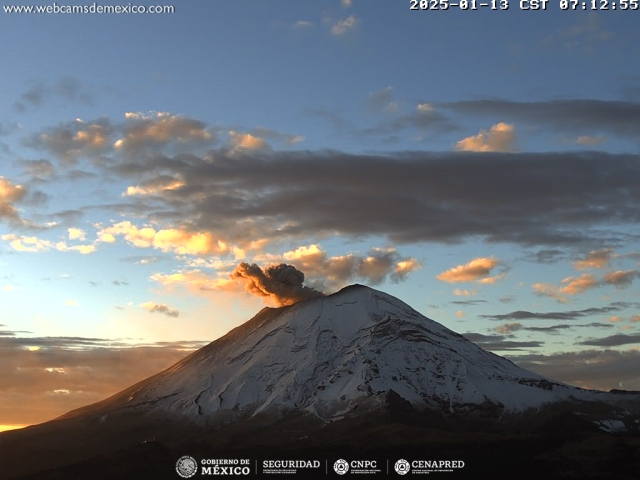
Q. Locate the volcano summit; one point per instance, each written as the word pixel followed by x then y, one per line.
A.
pixel 357 370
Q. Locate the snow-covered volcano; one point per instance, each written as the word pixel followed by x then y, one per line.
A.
pixel 333 354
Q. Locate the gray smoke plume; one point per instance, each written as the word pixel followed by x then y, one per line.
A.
pixel 283 283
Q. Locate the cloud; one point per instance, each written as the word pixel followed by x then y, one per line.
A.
pixel 26 244
pixel 579 285
pixel 343 26
pixel 621 278
pixel 382 101
pixel 246 141
pixel 76 234
pixel 23 243
pixel 500 138
pixel 281 283
pixel 155 186
pixel 635 319
pixel 153 307
pixel 39 93
pixel 567 315
pixel 31 367
pixel 499 342
pixel 579 116
pixel 302 24
pixel 154 130
pixel 288 139
pixel 468 302
pixel 10 193
pixel 464 293
pixel 73 140
pixel 477 269
pixel 612 341
pixel 38 170
pixel 346 3
pixel 508 328
pixel 425 108
pixel 326 272
pixel 550 329
pixel 589 141
pixel 180 241
pixel 546 256
pixel 597 369
pixel 405 197
pixel 595 259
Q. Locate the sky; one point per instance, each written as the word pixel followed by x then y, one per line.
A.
pixel 163 175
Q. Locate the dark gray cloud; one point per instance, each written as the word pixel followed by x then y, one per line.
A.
pixel 530 199
pixel 579 116
pixel 567 315
pixel 500 342
pixel 39 93
pixel 38 170
pixel 612 341
pixel 597 369
pixel 546 256
pixel 468 302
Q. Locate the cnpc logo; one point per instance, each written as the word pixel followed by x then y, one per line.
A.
pixel 342 466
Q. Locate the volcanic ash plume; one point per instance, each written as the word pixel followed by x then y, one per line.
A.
pixel 283 283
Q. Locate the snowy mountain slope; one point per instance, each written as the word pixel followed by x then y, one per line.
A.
pixel 329 355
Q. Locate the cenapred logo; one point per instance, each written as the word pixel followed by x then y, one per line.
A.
pixel 402 467
pixel 186 466
pixel 341 466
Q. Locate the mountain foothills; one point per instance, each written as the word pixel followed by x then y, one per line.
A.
pixel 356 371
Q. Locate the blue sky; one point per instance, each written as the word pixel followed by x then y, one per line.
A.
pixel 480 165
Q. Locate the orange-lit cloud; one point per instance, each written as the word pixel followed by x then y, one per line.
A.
pixel 548 290
pixel 621 278
pixel 246 141
pixel 595 259
pixel 477 269
pixel 154 187
pixel 76 234
pixel 578 285
pixel 589 141
pixel 196 281
pixel 175 240
pixel 500 138
pixel 9 193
